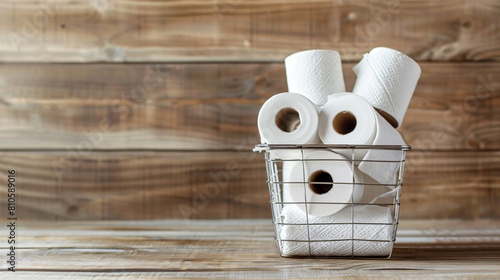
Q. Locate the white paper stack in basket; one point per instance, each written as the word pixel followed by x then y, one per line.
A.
pixel 337 227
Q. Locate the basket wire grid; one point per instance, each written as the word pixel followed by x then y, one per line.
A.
pixel 342 240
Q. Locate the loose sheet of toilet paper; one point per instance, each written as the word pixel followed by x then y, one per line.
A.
pixel 294 229
pixel 374 192
pixel 315 74
pixel 387 79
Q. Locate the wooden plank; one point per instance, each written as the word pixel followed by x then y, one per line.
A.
pixel 221 185
pixel 318 274
pixel 428 231
pixel 215 106
pixel 138 185
pixel 440 183
pixel 243 249
pixel 243 30
pixel 96 234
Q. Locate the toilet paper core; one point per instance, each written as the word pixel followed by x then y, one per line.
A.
pixel 344 122
pixel 287 119
pixel 318 177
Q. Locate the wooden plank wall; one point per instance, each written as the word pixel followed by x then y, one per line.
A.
pixel 147 109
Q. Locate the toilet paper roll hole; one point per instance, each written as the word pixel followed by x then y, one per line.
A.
pixel 287 119
pixel 344 122
pixel 319 177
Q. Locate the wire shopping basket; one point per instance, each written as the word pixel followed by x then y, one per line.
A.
pixel 335 200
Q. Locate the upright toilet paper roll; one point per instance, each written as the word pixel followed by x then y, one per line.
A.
pixel 315 74
pixel 347 119
pixel 387 79
pixel 330 183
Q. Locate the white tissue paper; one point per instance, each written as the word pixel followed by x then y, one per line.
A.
pixel 347 119
pixel 321 166
pixel 291 216
pixel 287 169
pixel 383 165
pixel 336 126
pixel 387 79
pixel 374 191
pixel 315 74
pixel 288 118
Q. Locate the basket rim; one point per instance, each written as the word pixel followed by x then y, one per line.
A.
pixel 266 147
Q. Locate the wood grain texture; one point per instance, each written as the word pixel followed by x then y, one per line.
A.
pixel 139 185
pixel 318 274
pixel 456 106
pixel 243 30
pixel 223 185
pixel 244 249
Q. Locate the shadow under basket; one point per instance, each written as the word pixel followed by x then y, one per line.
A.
pixel 335 200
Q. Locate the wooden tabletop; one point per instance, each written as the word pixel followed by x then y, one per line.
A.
pixel 241 249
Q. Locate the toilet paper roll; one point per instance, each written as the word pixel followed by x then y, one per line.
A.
pixel 325 167
pixel 291 158
pixel 383 165
pixel 288 118
pixel 347 119
pixel 325 230
pixel 315 74
pixel 387 79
